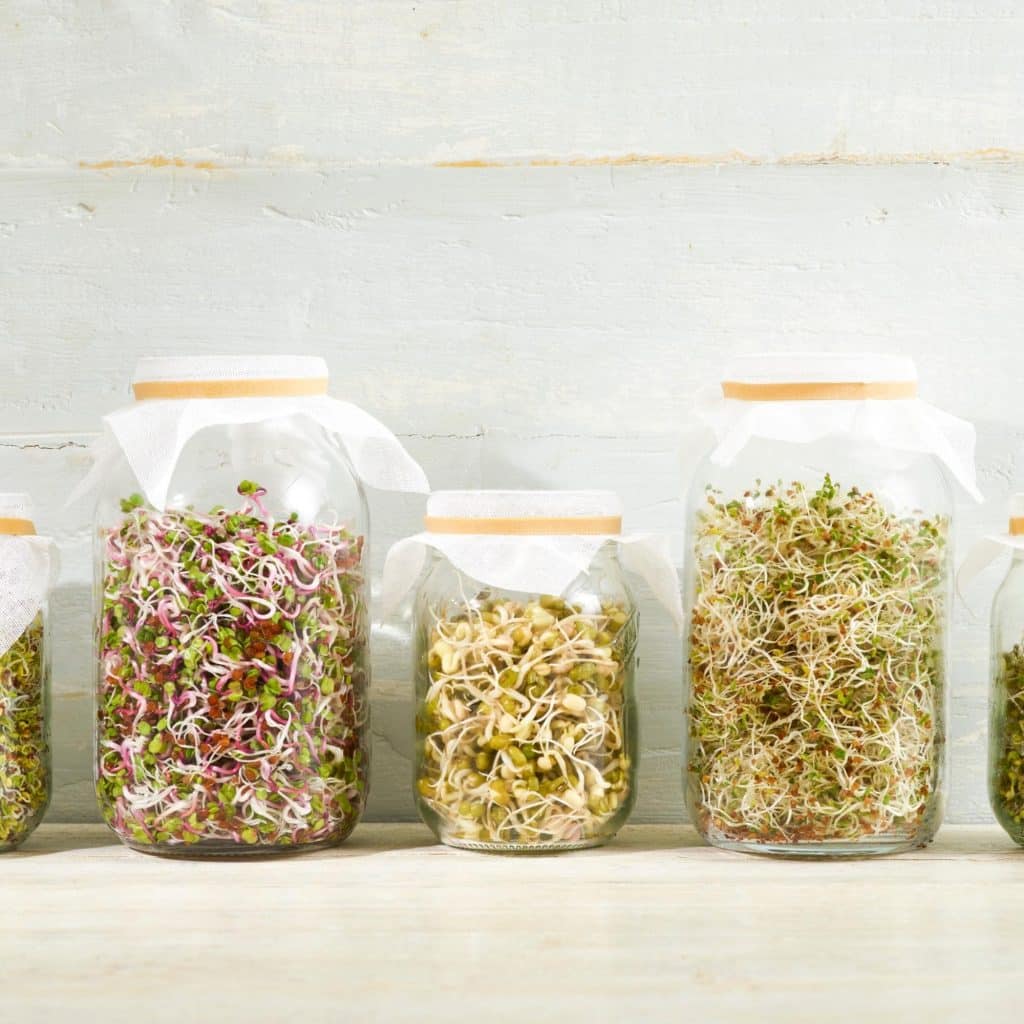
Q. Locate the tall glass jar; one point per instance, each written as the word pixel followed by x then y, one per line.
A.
pixel 818 596
pixel 25 773
pixel 1006 701
pixel 232 630
pixel 526 731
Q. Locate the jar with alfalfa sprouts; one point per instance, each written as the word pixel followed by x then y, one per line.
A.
pixel 28 570
pixel 525 633
pixel 232 661
pixel 817 592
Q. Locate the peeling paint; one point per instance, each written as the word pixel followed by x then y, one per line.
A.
pixel 149 161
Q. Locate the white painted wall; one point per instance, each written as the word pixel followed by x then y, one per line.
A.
pixel 522 234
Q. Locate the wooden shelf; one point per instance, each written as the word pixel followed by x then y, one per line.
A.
pixel 392 927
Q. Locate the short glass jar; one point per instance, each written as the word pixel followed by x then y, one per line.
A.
pixel 233 662
pixel 1006 699
pixel 818 596
pixel 26 565
pixel 526 722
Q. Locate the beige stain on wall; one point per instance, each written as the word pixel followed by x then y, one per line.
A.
pixel 733 157
pixel 986 155
pixel 149 161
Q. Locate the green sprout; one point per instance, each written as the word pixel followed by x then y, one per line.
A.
pixel 1006 742
pixel 24 745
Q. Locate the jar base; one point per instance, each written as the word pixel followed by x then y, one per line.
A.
pixel 222 849
pixel 828 850
pixel 560 847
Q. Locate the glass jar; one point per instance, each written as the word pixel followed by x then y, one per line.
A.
pixel 1006 702
pixel 25 773
pixel 526 731
pixel 233 663
pixel 818 597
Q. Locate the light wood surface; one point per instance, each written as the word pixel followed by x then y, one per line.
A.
pixel 391 927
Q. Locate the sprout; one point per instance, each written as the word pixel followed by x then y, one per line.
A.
pixel 24 748
pixel 1007 740
pixel 232 694
pixel 816 667
pixel 524 723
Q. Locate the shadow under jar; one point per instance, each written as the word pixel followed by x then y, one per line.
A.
pixel 232 711
pixel 818 593
pixel 526 731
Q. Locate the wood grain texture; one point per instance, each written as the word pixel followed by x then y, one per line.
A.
pixel 589 301
pixel 654 922
pixel 286 81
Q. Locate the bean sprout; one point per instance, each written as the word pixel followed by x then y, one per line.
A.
pixel 232 695
pixel 524 723
pixel 816 667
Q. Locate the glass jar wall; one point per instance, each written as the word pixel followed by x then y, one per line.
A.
pixel 818 590
pixel 232 708
pixel 526 734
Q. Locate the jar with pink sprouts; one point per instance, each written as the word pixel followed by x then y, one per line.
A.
pixel 233 666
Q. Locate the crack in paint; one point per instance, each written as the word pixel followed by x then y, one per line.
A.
pixel 35 446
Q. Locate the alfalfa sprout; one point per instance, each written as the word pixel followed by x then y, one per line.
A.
pixel 815 666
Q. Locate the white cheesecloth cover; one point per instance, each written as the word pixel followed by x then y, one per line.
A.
pixel 803 397
pixel 532 562
pixel 28 568
pixel 990 547
pixel 152 433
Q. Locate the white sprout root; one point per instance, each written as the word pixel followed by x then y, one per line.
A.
pixel 524 730
pixel 816 668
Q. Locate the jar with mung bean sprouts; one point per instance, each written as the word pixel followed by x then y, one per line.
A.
pixel 525 640
pixel 818 592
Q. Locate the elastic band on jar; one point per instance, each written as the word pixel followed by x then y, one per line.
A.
pixel 524 513
pixel 16 515
pixel 172 378
pixel 824 377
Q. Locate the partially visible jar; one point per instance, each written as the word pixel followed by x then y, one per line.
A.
pixel 26 569
pixel 818 590
pixel 1006 698
pixel 233 635
pixel 525 636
